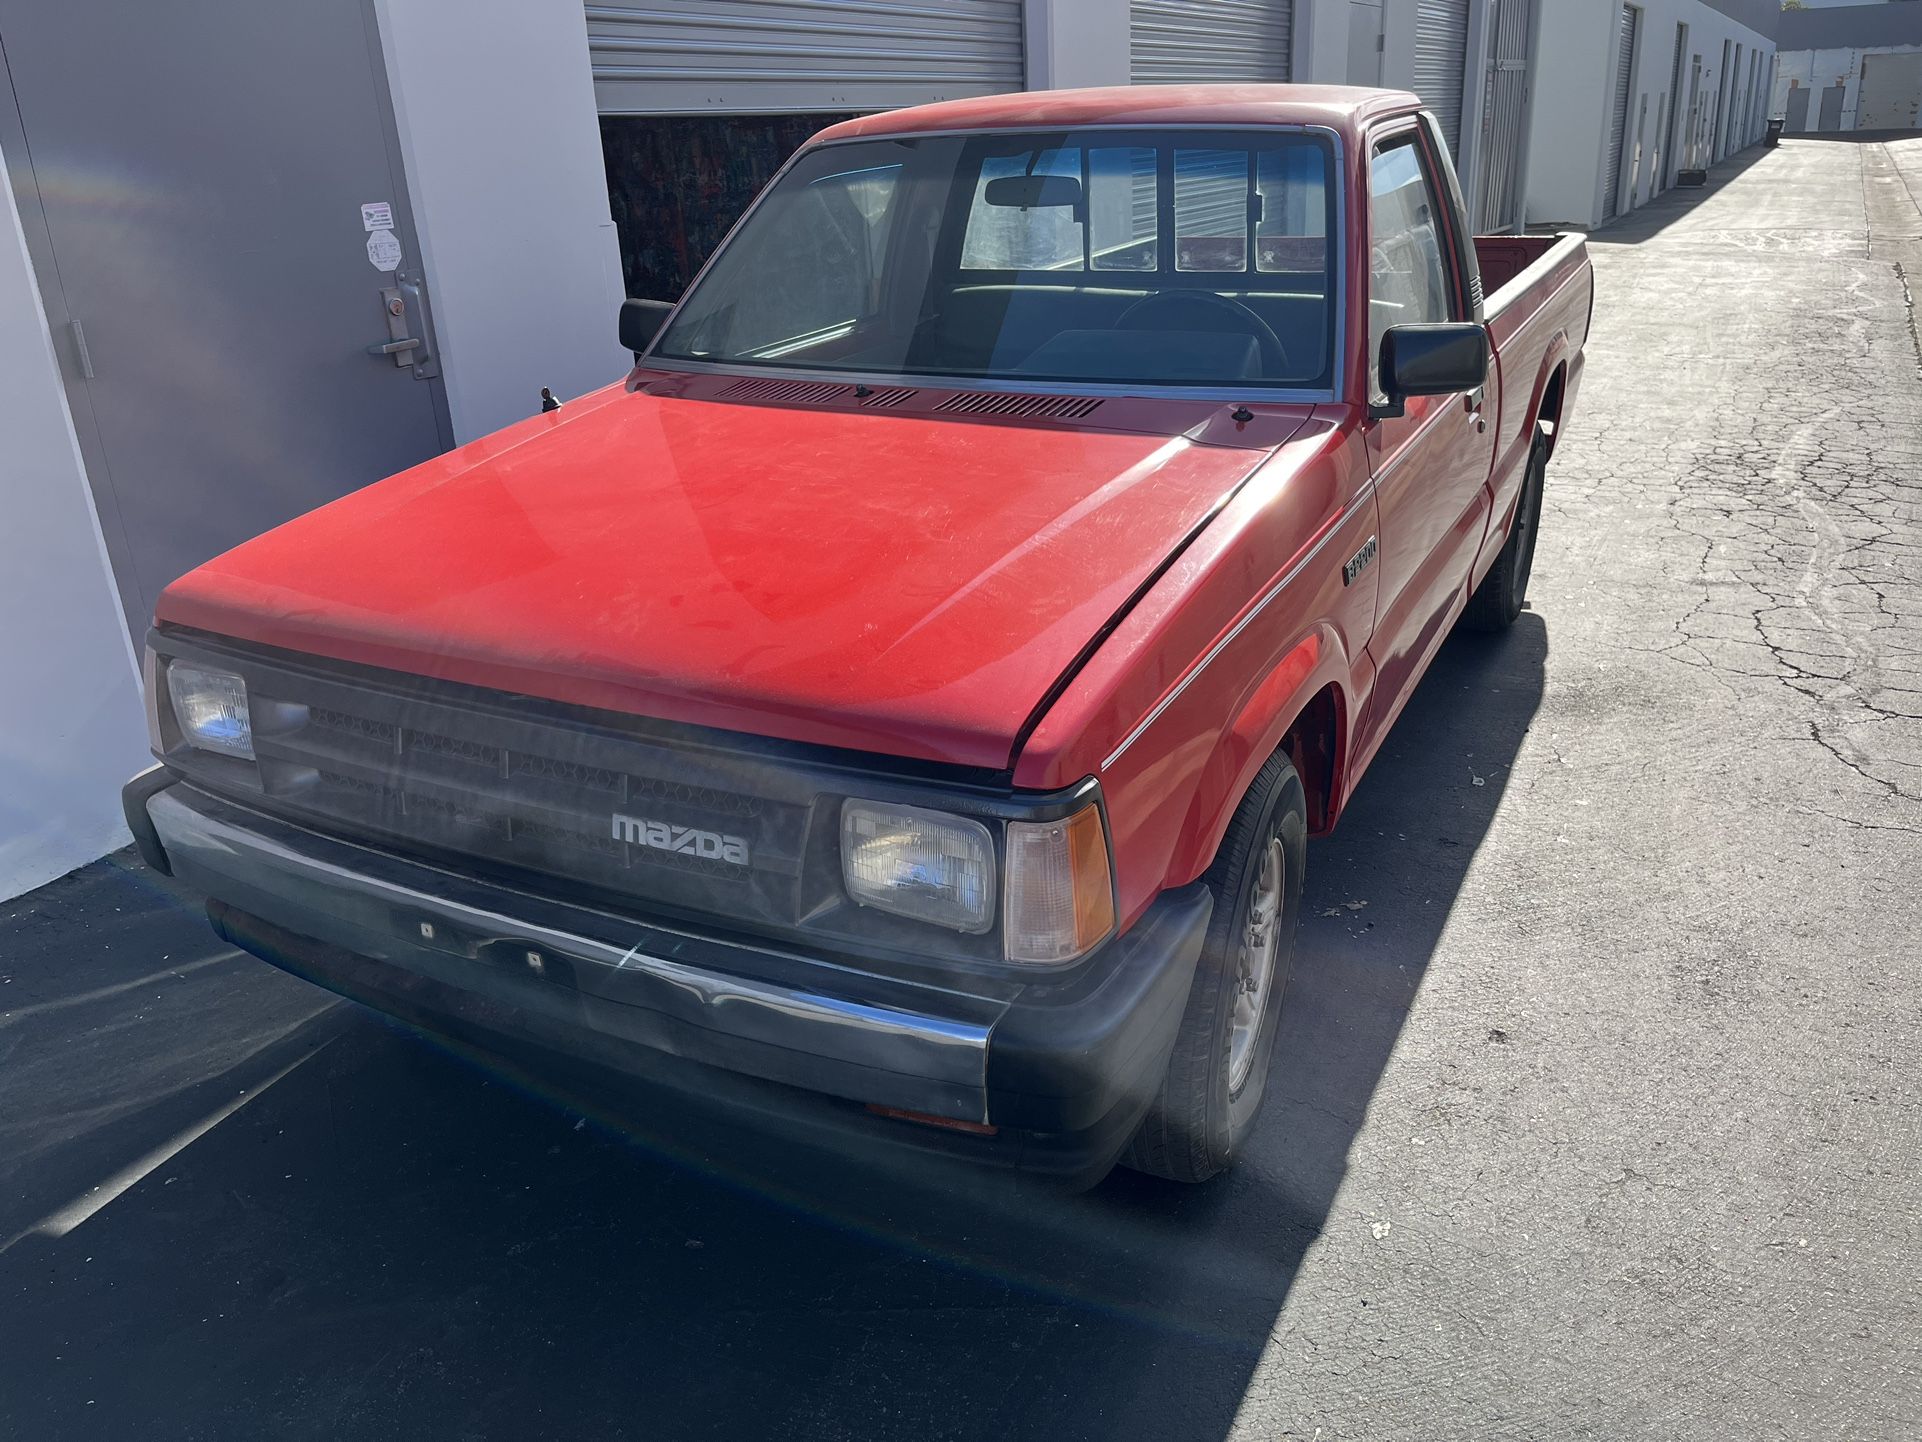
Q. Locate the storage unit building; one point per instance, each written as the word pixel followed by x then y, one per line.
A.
pixel 1645 90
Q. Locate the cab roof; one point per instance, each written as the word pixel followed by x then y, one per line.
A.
pixel 1347 109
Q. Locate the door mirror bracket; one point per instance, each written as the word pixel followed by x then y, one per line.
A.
pixel 641 321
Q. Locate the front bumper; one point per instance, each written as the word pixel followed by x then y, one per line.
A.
pixel 1061 1068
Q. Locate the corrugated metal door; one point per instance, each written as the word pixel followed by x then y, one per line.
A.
pixel 1175 42
pixel 1441 62
pixel 782 57
pixel 1504 110
pixel 1618 116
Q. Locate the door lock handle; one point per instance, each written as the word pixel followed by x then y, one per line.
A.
pixel 395 347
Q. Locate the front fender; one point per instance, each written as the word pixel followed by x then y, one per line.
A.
pixel 1266 710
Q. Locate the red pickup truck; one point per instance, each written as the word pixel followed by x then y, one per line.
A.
pixel 901 706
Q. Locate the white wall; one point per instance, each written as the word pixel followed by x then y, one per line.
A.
pixel 502 147
pixel 1817 70
pixel 1576 64
pixel 1073 43
pixel 71 728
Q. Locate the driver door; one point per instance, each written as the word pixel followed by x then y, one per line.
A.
pixel 1431 465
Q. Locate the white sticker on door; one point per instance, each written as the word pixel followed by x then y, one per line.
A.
pixel 383 251
pixel 377 215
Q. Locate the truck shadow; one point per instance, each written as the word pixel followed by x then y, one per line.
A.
pixel 395 1242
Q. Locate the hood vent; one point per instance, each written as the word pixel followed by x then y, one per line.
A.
pixel 998 403
pixel 793 392
pixel 815 393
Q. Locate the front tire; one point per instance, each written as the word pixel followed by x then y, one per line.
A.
pixel 1217 1074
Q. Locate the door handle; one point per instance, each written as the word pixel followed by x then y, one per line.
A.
pixel 80 351
pixel 407 350
pixel 1472 401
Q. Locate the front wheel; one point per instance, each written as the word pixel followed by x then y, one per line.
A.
pixel 1218 1073
pixel 1498 600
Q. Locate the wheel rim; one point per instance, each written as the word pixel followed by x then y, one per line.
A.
pixel 1255 964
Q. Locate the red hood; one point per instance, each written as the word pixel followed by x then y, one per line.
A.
pixel 896 583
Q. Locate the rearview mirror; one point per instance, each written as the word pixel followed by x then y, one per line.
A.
pixel 1029 191
pixel 1431 360
pixel 641 321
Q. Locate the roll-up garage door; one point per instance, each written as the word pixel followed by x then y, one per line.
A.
pixel 784 57
pixel 1618 115
pixel 1441 61
pixel 1175 42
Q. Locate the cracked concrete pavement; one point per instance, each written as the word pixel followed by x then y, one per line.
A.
pixel 1597 1112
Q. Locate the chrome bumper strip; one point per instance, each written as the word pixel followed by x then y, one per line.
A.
pixel 329 890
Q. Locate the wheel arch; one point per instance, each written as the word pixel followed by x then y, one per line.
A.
pixel 1300 706
pixel 1550 393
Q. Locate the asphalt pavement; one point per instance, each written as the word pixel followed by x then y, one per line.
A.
pixel 1596 1115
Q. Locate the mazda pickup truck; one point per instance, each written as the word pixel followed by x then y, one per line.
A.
pixel 900 708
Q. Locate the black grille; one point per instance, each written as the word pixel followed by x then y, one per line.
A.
pixel 532 793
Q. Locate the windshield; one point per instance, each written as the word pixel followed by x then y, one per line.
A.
pixel 1145 257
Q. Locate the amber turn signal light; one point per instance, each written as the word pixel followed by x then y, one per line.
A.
pixel 1059 888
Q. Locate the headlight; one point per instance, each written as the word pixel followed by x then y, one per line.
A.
pixel 211 707
pixel 917 863
pixel 1060 890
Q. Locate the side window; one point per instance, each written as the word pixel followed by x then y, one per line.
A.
pixel 1407 278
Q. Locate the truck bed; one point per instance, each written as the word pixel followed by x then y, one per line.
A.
pixel 1506 259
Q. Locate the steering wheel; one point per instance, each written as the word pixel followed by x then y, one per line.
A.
pixel 1203 310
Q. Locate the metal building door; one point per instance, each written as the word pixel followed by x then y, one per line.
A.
pixel 1891 94
pixel 1441 64
pixel 1671 155
pixel 1692 145
pixel 1364 42
pixel 192 178
pixel 1174 42
pixel 1498 153
pixel 1831 114
pixel 1723 83
pixel 1731 134
pixel 1796 116
pixel 784 57
pixel 1618 113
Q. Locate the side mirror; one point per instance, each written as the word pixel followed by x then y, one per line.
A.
pixel 641 321
pixel 1431 360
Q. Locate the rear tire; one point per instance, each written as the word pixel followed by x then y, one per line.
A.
pixel 1217 1074
pixel 1498 600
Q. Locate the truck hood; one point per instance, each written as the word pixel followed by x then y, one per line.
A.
pixel 909 584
